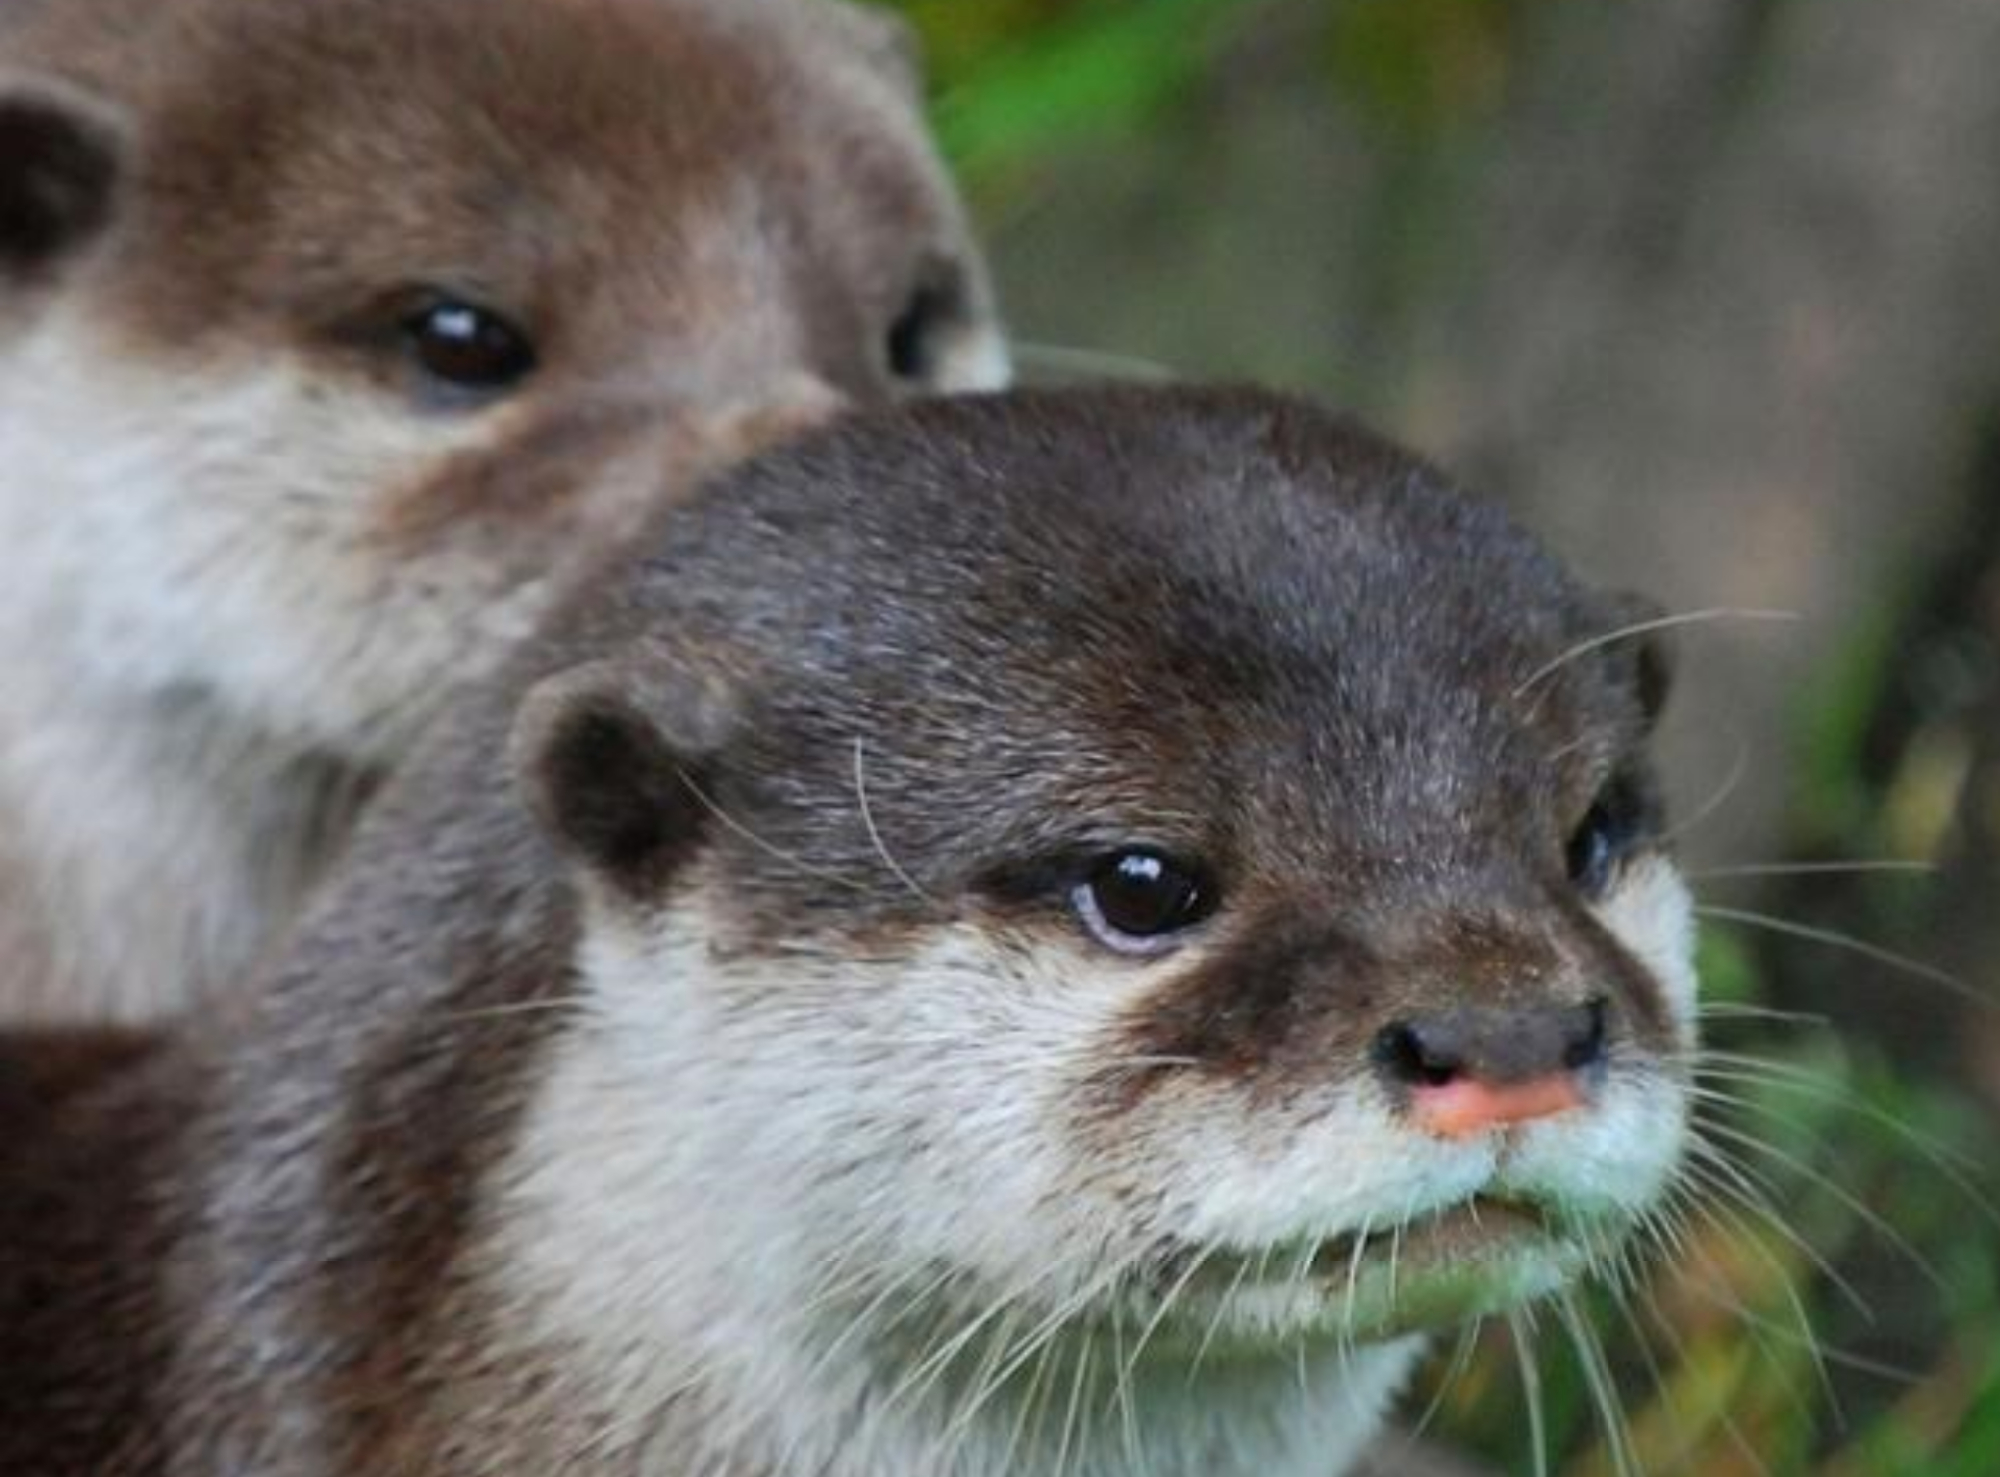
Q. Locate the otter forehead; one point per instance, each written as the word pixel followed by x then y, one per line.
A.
pixel 1236 628
pixel 693 161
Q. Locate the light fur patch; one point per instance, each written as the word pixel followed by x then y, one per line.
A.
pixel 1652 914
pixel 193 609
pixel 764 1196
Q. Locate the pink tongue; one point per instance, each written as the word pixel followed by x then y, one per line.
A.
pixel 1460 1109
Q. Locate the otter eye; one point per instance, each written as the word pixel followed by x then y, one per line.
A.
pixel 466 346
pixel 1589 853
pixel 1136 901
pixel 934 305
pixel 1602 839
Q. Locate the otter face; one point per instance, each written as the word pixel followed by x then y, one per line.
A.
pixel 1207 888
pixel 337 332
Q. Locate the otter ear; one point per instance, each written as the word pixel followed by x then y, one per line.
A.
pixel 60 154
pixel 1646 648
pixel 611 755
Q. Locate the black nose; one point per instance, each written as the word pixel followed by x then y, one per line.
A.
pixel 1493 1046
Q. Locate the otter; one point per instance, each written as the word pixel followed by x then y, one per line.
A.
pixel 1040 933
pixel 333 337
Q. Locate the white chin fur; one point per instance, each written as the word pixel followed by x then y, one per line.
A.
pixel 730 1164
pixel 736 1160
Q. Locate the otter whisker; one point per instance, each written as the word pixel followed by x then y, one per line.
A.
pixel 1866 866
pixel 1839 1192
pixel 1075 359
pixel 1071 1414
pixel 874 834
pixel 919 1380
pixel 1820 1351
pixel 1948 1162
pixel 1730 1010
pixel 1739 765
pixel 1055 1321
pixel 1915 968
pixel 1760 1328
pixel 1354 1271
pixel 981 1387
pixel 1649 1308
pixel 867 1316
pixel 1719 1175
pixel 1172 1295
pixel 1598 1381
pixel 1462 1351
pixel 1215 1319
pixel 1531 1388
pixel 1041 1347
pixel 777 853
pixel 1039 1344
pixel 1727 1207
pixel 1027 1418
pixel 1642 628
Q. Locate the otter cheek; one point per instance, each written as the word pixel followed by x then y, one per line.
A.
pixel 1651 913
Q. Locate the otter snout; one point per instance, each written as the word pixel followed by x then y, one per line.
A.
pixel 1465 1070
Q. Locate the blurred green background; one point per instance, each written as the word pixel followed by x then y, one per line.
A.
pixel 1707 291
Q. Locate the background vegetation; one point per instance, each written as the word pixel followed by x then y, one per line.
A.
pixel 1707 291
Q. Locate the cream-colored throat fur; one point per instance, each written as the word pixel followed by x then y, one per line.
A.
pixel 193 682
pixel 746 1165
pixel 674 1225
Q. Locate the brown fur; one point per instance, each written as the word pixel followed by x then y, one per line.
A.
pixel 707 215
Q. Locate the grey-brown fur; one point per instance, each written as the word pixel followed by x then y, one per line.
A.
pixel 710 216
pixel 1213 620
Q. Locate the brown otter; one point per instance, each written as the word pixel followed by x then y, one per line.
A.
pixel 332 336
pixel 1037 934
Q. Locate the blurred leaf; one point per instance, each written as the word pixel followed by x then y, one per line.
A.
pixel 1834 800
pixel 1727 972
pixel 1422 66
pixel 1060 75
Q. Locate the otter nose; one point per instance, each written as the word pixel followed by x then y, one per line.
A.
pixel 1469 1070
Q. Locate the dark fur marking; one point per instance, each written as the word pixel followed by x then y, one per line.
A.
pixel 58 168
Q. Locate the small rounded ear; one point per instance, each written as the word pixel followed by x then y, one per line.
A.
pixel 609 756
pixel 60 154
pixel 1646 646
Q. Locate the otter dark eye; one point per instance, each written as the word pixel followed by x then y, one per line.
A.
pixel 468 347
pixel 1590 854
pixel 1137 901
pixel 1602 838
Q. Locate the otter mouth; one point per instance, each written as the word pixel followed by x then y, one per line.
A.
pixel 1482 1255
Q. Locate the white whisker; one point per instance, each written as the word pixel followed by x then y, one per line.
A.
pixel 1641 628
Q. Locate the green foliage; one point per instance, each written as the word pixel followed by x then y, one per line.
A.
pixel 1834 795
pixel 1423 67
pixel 1020 79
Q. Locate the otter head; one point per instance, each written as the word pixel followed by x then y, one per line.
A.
pixel 1147 892
pixel 335 331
